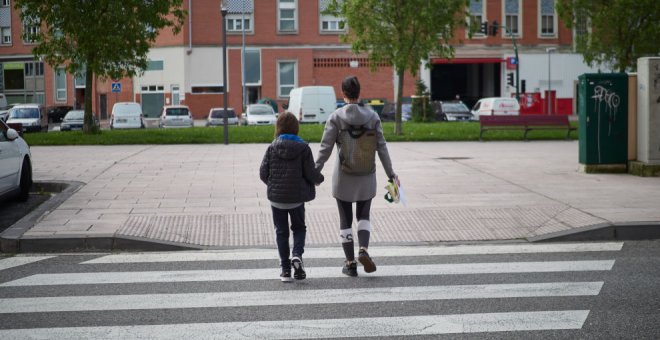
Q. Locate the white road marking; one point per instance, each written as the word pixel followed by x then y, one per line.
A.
pixel 303 297
pixel 324 328
pixel 336 252
pixel 20 260
pixel 312 273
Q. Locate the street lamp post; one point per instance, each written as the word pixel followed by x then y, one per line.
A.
pixel 549 50
pixel 223 10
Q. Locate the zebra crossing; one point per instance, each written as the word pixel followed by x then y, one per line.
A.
pixel 236 294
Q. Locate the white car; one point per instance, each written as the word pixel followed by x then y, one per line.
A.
pixel 15 164
pixel 260 114
pixel 31 116
pixel 127 115
pixel 217 117
pixel 174 116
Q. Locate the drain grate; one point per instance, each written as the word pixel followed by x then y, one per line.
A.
pixel 453 158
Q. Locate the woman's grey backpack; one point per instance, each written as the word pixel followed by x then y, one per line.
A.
pixel 357 150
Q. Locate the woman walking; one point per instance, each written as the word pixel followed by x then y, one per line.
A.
pixel 358 134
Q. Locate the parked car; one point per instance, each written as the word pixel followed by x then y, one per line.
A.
pixel 451 111
pixel 127 115
pixel 57 113
pixel 176 116
pixel 4 108
pixel 495 106
pixel 15 164
pixel 32 116
pixel 387 114
pixel 217 116
pixel 74 120
pixel 260 114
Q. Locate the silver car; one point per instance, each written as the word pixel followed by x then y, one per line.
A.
pixel 217 117
pixel 15 164
pixel 176 116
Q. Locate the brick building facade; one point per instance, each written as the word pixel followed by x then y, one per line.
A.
pixel 290 43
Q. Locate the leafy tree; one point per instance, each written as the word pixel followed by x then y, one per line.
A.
pixel 402 32
pixel 421 107
pixel 620 31
pixel 105 38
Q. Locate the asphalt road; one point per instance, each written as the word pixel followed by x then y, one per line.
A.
pixel 438 292
pixel 11 210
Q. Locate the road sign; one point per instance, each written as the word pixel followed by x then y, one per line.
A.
pixel 116 87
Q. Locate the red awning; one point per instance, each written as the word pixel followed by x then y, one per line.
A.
pixel 467 61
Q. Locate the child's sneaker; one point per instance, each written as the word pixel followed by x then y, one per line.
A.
pixel 298 269
pixel 350 268
pixel 367 262
pixel 285 276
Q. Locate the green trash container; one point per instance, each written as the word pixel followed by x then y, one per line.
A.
pixel 603 116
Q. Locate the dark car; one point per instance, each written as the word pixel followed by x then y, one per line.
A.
pixel 57 113
pixel 451 111
pixel 74 120
pixel 387 114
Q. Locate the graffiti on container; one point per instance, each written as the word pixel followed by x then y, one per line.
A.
pixel 610 100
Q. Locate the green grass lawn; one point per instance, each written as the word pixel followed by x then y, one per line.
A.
pixel 454 131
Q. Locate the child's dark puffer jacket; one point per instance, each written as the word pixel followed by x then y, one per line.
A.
pixel 288 170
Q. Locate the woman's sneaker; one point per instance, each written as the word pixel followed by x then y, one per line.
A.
pixel 298 269
pixel 367 262
pixel 285 276
pixel 350 268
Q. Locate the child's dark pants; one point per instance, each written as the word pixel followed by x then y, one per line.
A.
pixel 281 221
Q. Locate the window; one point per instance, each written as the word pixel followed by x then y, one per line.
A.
pixel 176 97
pixel 6 35
pixel 236 23
pixel 512 17
pixel 547 20
pixel 30 30
pixel 60 85
pixel 5 3
pixel 286 77
pixel 330 23
pixel 286 21
pixel 477 11
pixel 239 15
pixel 34 69
pixel 198 89
pixel 155 65
pixel 253 67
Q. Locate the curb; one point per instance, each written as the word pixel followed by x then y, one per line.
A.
pixel 626 231
pixel 10 238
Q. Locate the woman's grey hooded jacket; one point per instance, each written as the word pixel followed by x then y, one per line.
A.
pixel 347 187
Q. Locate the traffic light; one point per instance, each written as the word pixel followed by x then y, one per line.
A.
pixel 522 86
pixel 484 28
pixel 509 79
pixel 493 28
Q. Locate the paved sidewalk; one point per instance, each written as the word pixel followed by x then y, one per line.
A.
pixel 210 196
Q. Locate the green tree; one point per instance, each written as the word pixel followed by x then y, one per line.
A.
pixel 401 32
pixel 104 38
pixel 614 32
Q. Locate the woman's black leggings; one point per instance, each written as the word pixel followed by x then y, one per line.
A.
pixel 345 225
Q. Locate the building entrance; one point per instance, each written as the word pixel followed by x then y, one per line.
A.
pixel 468 78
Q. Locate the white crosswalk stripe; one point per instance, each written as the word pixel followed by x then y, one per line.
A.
pixel 395 251
pixel 328 328
pixel 321 272
pixel 20 260
pixel 104 287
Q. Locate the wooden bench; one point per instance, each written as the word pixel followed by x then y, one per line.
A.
pixel 526 123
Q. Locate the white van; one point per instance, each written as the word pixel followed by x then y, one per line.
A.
pixel 127 115
pixel 495 106
pixel 32 116
pixel 312 104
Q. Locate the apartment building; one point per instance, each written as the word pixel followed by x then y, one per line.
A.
pixel 289 43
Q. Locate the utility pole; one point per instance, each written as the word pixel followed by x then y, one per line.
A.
pixel 495 25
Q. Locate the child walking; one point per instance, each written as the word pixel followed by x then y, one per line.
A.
pixel 290 175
